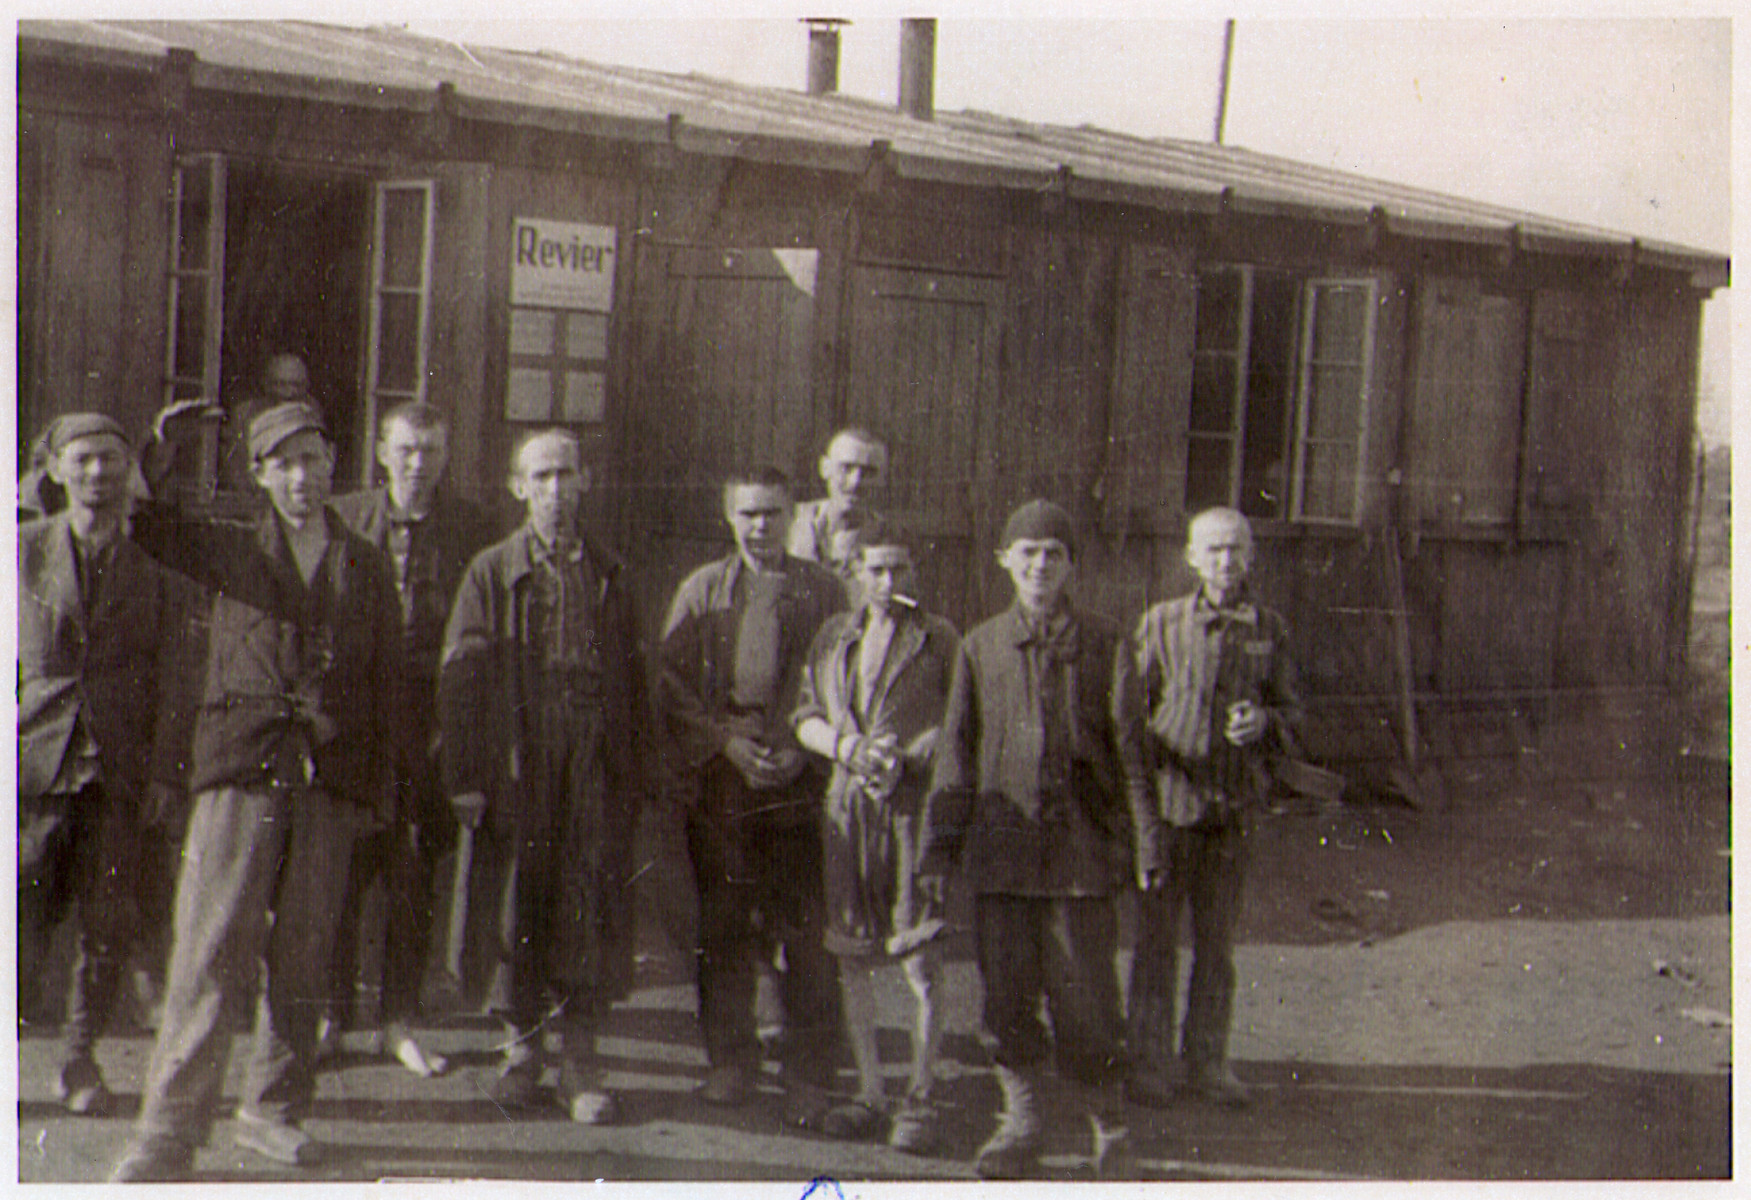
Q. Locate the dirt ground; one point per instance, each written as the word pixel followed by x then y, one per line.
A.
pixel 1528 984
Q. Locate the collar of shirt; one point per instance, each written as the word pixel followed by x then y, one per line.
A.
pixel 568 549
pixel 1243 612
pixel 1053 631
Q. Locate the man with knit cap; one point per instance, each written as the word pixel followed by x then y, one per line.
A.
pixel 95 621
pixel 1221 694
pixel 1040 749
pixel 290 760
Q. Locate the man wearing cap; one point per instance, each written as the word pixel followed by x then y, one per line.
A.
pixel 1038 754
pixel 732 653
pixel 284 379
pixel 290 759
pixel 829 530
pixel 1221 694
pixel 544 706
pixel 95 620
pixel 429 535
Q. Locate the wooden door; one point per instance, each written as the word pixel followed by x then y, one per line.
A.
pixel 923 372
pixel 723 380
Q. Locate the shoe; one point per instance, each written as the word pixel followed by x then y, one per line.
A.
pixel 593 1108
pixel 80 1088
pixel 281 1141
pixel 1216 1082
pixel 1151 1089
pixel 805 1105
pixel 1113 1158
pixel 402 1047
pixel 724 1085
pixel 914 1129
pixel 854 1121
pixel 154 1160
pixel 518 1084
pixel 1013 1150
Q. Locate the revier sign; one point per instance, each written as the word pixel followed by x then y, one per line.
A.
pixel 555 264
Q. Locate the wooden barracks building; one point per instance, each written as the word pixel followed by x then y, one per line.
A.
pixel 1464 433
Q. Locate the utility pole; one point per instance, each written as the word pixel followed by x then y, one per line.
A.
pixel 1222 87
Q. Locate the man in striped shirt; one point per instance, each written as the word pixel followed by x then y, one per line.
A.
pixel 1221 693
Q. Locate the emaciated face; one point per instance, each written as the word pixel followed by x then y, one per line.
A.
pixel 296 474
pixel 759 515
pixel 1039 568
pixel 852 470
pixel 1219 549
pixel 415 460
pixel 882 573
pixel 93 470
pixel 550 481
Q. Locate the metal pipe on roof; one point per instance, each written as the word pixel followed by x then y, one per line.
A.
pixel 823 54
pixel 918 67
pixel 1222 86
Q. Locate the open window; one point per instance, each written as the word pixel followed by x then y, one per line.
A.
pixel 400 303
pixel 1279 393
pixel 271 257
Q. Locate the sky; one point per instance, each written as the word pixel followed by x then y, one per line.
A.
pixel 1617 122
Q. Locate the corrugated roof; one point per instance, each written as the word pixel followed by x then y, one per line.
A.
pixel 392 67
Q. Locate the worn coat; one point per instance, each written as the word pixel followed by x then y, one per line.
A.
pixel 300 680
pixel 488 706
pixel 985 803
pixel 492 661
pixel 872 845
pixel 110 667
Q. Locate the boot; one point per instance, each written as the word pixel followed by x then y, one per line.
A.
pixel 1112 1158
pixel 1216 1082
pixel 1014 1147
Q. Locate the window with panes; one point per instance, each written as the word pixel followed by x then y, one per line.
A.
pixel 1279 393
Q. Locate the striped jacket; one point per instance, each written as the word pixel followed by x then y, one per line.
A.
pixel 1193 660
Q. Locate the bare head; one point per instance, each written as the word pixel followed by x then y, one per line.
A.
pixel 285 377
pixel 759 507
pixel 413 445
pixel 853 467
pixel 548 475
pixel 1219 549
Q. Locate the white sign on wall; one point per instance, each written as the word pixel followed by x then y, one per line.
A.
pixel 558 264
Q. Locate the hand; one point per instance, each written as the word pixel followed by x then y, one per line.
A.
pixel 755 763
pixel 1247 723
pixel 869 756
pixel 788 763
pixel 469 808
pixel 1150 879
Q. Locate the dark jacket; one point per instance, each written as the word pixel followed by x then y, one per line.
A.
pixel 457 531
pixel 111 666
pixel 985 804
pixel 698 656
pixel 299 680
pixel 492 664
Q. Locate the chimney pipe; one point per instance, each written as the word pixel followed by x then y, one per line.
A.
pixel 823 54
pixel 918 67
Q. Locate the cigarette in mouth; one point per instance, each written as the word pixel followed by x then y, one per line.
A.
pixel 902 598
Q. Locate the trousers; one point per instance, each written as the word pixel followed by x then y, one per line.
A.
pixel 86 861
pixel 1061 949
pixel 1206 870
pixel 248 853
pixel 759 881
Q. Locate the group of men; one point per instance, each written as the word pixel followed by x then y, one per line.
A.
pixel 383 685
